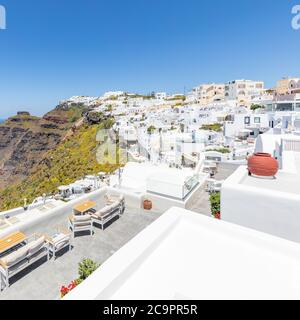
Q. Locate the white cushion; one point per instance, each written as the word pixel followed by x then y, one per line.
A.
pixel 61 240
pixel 115 205
pixel 82 218
pixel 60 237
pixel 62 244
pixel 36 245
pixel 102 212
pixel 16 256
pixel 83 224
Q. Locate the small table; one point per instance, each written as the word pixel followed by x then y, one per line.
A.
pixel 84 208
pixel 11 241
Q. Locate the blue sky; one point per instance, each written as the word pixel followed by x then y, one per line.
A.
pixel 53 49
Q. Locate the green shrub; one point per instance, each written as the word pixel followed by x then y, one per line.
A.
pixel 212 127
pixel 78 281
pixel 151 129
pixel 85 268
pixel 221 150
pixel 256 106
pixel 215 203
pixel 107 123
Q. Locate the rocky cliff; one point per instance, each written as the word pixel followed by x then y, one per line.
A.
pixel 74 157
pixel 25 139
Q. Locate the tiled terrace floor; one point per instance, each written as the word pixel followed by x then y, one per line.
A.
pixel 43 280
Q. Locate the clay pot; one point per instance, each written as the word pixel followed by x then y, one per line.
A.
pixel 147 205
pixel 262 164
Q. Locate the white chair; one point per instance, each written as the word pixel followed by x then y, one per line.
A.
pixel 80 223
pixel 115 206
pixel 113 199
pixel 59 241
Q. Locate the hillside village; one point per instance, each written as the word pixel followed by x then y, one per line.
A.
pixel 211 125
pixel 151 158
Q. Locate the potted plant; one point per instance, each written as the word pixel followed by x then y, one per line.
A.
pixel 147 204
pixel 215 204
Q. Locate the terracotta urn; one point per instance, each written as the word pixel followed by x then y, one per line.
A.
pixel 147 204
pixel 262 164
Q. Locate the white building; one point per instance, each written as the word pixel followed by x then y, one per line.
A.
pixel 110 94
pixel 290 102
pixel 85 100
pixel 165 187
pixel 184 255
pixel 129 134
pixel 264 204
pixel 243 90
pixel 208 93
pixel 288 86
pixel 160 95
pixel 245 125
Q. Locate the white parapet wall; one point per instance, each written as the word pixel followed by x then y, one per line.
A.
pixel 16 211
pixel 184 255
pixel 267 205
pixel 161 203
pixel 34 217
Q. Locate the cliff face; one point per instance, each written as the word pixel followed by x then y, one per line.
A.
pixel 24 141
pixel 74 157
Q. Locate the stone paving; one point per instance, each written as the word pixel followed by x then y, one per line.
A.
pixel 43 280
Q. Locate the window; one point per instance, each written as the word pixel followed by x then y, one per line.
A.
pixel 247 120
pixel 257 120
pixel 284 107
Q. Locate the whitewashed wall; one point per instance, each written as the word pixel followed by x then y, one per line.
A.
pixel 273 212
